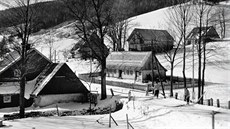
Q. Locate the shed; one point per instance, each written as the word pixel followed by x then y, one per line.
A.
pixel 134 65
pixel 145 39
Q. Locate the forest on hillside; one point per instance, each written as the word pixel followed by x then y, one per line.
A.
pixel 52 13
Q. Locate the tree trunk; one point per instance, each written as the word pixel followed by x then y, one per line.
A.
pixel 203 72
pixel 158 70
pixel 199 59
pixel 103 79
pixel 23 81
pixel 171 80
pixel 184 54
pixel 22 99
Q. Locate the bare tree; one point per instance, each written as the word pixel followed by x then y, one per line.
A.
pixel 202 17
pixel 93 17
pixel 179 17
pixel 120 23
pixel 22 19
pixel 219 19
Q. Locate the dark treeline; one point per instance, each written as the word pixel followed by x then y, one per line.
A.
pixel 53 13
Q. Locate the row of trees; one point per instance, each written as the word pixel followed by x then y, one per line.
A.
pixel 181 18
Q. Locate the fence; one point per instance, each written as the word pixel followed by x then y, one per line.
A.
pixel 210 102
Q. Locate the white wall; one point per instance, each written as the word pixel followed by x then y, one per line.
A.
pixel 45 100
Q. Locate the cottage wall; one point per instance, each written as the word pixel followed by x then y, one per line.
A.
pixel 45 100
pixel 12 100
pixel 126 74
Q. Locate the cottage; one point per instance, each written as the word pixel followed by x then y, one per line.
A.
pixel 134 65
pixel 208 34
pixel 145 39
pixel 47 82
pixel 91 48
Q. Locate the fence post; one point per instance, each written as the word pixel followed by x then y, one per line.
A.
pixel 129 96
pixel 208 102
pixel 127 120
pixel 1 123
pixel 110 117
pixel 147 90
pixel 57 110
pixel 228 104
pixel 112 92
pixel 218 103
pixel 211 102
pixel 213 119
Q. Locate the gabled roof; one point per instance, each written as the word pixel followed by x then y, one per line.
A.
pixel 9 60
pixel 152 34
pixel 211 32
pixel 93 45
pixel 40 85
pixel 127 60
pixel 13 57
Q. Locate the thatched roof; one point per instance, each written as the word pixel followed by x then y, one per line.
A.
pixel 127 60
pixel 152 34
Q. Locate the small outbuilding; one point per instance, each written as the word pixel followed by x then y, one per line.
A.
pixel 134 65
pixel 146 39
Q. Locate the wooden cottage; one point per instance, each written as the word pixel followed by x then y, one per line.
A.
pixel 145 39
pixel 134 65
pixel 55 82
pixel 91 48
pixel 208 34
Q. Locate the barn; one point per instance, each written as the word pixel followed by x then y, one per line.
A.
pixel 55 82
pixel 146 39
pixel 134 65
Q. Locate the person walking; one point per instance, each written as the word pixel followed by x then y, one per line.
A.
pixel 156 90
pixel 187 95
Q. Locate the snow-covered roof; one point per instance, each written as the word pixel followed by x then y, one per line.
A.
pixel 152 34
pixel 9 60
pixel 41 85
pixel 128 60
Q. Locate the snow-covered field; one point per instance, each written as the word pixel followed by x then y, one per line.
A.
pixel 146 112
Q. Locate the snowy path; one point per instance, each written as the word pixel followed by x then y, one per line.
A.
pixel 144 113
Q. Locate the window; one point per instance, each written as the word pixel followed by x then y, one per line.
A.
pixel 115 71
pixel 17 73
pixel 131 72
pixel 127 72
pixel 6 99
